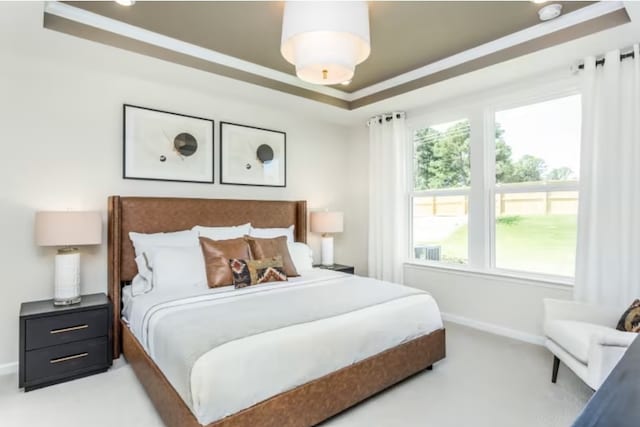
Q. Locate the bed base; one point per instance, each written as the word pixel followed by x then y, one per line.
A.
pixel 303 406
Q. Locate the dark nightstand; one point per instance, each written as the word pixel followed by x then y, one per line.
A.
pixel 338 267
pixel 61 343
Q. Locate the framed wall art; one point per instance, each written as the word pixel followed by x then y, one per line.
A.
pixel 164 146
pixel 252 156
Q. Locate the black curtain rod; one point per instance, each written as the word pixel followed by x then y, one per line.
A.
pixel 601 61
pixel 389 117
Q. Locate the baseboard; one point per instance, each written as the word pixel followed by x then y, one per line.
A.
pixel 494 329
pixel 9 368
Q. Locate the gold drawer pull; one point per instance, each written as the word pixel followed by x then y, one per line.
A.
pixel 73 328
pixel 65 359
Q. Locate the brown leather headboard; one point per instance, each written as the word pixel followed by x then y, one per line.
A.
pixel 158 214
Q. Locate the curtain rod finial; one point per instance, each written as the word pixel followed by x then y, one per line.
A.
pixel 574 68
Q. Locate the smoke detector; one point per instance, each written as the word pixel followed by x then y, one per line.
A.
pixel 550 11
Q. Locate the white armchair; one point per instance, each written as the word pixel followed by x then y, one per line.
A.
pixel 584 338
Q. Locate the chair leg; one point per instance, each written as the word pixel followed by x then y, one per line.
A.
pixel 556 365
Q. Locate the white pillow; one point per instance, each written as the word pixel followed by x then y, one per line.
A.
pixel 178 267
pixel 140 286
pixel 144 243
pixel 143 282
pixel 144 269
pixel 223 233
pixel 301 255
pixel 267 233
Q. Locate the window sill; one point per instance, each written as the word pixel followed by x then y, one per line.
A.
pixel 555 282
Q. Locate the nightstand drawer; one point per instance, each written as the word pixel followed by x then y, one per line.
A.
pixel 50 363
pixel 65 328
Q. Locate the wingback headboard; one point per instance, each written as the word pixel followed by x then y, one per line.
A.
pixel 166 214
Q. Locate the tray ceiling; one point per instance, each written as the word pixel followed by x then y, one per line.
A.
pixel 405 37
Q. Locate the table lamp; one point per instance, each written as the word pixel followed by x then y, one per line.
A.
pixel 67 230
pixel 326 222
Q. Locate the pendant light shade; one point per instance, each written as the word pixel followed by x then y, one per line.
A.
pixel 325 40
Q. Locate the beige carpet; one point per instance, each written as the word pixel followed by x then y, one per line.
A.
pixel 486 380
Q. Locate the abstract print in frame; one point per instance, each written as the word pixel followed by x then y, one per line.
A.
pixel 252 156
pixel 164 146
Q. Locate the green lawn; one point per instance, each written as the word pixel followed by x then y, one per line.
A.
pixel 538 243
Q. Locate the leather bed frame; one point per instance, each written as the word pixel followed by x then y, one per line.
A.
pixel 305 405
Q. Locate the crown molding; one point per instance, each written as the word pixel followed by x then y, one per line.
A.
pixel 579 16
pixel 95 20
pixel 589 18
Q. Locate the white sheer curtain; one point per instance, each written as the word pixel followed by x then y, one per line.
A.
pixel 608 256
pixel 387 200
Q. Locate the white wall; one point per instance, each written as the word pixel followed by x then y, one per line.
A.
pixel 502 305
pixel 358 187
pixel 61 137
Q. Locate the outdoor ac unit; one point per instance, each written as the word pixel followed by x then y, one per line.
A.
pixel 429 252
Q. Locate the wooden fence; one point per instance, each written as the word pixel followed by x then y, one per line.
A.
pixel 538 203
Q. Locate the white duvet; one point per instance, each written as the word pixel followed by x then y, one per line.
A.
pixel 226 349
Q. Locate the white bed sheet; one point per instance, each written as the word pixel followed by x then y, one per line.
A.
pixel 243 372
pixel 134 307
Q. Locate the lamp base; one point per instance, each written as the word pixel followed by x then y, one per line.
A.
pixel 327 250
pixel 67 277
pixel 63 302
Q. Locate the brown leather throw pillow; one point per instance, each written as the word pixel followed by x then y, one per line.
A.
pixel 269 248
pixel 216 259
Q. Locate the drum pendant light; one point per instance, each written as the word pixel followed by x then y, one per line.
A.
pixel 325 40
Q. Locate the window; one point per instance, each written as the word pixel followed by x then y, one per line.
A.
pixel 513 206
pixel 442 175
pixel 537 164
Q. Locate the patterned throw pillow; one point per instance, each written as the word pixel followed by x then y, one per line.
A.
pixel 240 272
pixel 267 270
pixel 630 320
pixel 254 272
pixel 271 274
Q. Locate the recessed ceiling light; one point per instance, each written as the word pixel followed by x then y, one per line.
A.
pixel 346 83
pixel 539 1
pixel 126 2
pixel 550 11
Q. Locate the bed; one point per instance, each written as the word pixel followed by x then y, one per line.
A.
pixel 330 340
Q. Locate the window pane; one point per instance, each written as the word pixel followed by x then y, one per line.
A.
pixel 539 142
pixel 440 228
pixel 535 144
pixel 536 232
pixel 441 156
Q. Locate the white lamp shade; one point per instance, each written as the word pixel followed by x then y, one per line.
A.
pixel 327 222
pixel 325 40
pixel 68 228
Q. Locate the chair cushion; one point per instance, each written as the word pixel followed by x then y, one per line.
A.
pixel 574 336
